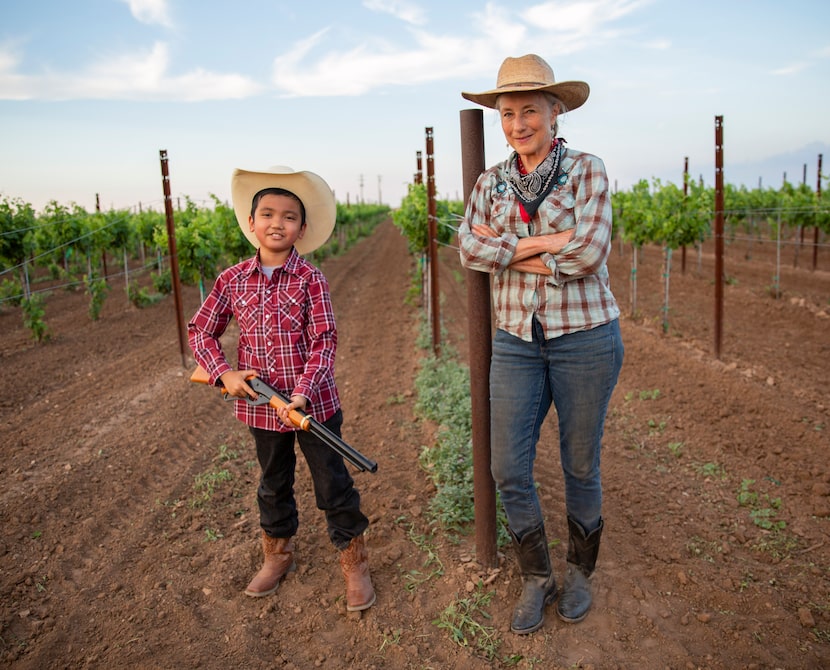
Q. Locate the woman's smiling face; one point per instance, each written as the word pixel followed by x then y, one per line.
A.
pixel 527 120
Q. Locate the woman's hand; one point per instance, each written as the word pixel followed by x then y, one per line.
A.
pixel 528 250
pixel 551 243
pixel 534 265
pixel 558 240
pixel 483 231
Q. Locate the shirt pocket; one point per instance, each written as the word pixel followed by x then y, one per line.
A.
pixel 292 309
pixel 557 211
pixel 246 310
pixel 505 217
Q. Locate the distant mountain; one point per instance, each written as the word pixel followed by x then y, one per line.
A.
pixel 772 170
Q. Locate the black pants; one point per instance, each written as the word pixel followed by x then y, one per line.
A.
pixel 334 487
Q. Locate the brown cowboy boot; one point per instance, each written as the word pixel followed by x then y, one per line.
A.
pixel 354 562
pixel 279 559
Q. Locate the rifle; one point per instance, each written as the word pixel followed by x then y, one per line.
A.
pixel 268 395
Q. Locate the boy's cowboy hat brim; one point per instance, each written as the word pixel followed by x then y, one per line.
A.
pixel 315 194
pixel 531 73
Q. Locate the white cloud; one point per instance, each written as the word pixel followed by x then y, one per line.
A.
pixel 497 27
pixel 150 11
pixel 659 44
pixel 362 68
pixel 12 85
pixel 308 68
pixel 796 68
pixel 143 76
pixel 401 9
pixel 787 70
pixel 580 17
pixel 320 64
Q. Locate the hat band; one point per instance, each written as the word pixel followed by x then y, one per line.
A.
pixel 525 83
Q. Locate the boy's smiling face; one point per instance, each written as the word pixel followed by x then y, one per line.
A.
pixel 277 224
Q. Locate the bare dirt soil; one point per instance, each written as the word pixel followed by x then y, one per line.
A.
pixel 128 511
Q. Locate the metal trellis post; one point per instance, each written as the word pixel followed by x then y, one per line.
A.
pixel 174 257
pixel 481 348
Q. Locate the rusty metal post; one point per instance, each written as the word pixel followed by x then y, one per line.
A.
pixel 685 193
pixel 174 256
pixel 481 349
pixel 432 227
pixel 419 173
pixel 818 203
pixel 718 233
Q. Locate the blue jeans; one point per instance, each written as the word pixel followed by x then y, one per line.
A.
pixel 334 489
pixel 576 372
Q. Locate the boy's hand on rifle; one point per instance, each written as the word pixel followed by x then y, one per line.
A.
pixel 298 402
pixel 234 383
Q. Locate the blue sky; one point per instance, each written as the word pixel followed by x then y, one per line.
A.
pixel 91 90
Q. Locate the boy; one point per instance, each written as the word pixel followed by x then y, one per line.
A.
pixel 288 337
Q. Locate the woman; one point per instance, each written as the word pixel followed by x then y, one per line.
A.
pixel 540 222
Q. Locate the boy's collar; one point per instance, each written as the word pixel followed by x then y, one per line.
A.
pixel 289 265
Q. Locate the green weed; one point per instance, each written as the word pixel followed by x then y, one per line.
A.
pixel 713 470
pixel 205 485
pixel 763 510
pixel 391 637
pixel 212 534
pixel 443 396
pixel 432 563
pixel 656 427
pixel 700 548
pixel 226 454
pixel 461 619
pixel 776 543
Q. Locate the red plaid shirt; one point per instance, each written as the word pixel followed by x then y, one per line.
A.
pixel 287 333
pixel 577 296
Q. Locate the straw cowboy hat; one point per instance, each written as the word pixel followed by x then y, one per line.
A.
pixel 311 189
pixel 531 73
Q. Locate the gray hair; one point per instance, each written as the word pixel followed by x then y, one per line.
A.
pixel 553 100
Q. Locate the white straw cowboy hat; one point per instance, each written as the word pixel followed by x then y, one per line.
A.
pixel 531 73
pixel 311 189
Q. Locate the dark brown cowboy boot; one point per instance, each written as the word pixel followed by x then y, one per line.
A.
pixel 583 549
pixel 538 582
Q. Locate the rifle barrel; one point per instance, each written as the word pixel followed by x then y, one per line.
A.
pixel 351 454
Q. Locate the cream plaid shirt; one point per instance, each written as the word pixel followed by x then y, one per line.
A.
pixel 577 296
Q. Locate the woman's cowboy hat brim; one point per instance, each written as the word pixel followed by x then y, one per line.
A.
pixel 531 73
pixel 311 189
